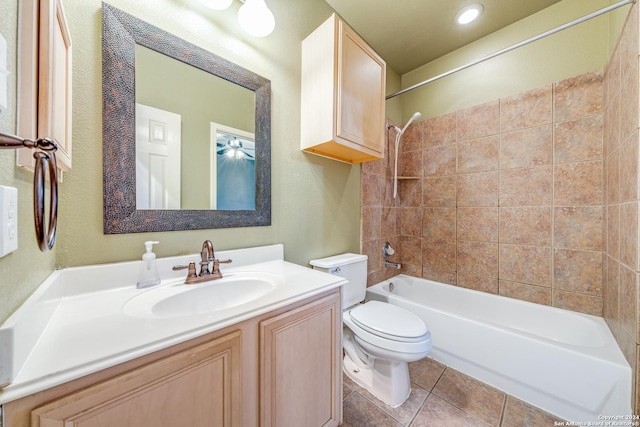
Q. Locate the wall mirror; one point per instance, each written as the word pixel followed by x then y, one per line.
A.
pixel 152 79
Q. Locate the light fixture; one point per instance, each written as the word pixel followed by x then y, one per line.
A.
pixel 217 4
pixel 469 13
pixel 256 18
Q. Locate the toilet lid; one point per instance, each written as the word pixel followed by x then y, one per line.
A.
pixel 388 320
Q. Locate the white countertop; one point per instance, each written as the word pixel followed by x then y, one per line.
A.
pixel 75 325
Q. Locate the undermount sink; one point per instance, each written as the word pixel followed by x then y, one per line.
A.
pixel 179 300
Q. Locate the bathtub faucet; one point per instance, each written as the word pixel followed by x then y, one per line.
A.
pixel 393 264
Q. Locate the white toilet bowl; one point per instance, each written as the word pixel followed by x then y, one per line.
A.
pixel 379 340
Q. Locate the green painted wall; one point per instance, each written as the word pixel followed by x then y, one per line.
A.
pixel 316 201
pixel 23 270
pixel 581 49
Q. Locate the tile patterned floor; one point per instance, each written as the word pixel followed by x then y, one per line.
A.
pixel 441 397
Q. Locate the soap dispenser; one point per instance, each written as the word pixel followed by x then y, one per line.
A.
pixel 149 275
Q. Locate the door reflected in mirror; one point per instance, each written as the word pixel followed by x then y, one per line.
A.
pixel 182 103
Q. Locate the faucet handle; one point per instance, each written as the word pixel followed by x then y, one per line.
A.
pixel 192 269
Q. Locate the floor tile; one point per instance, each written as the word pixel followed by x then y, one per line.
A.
pixel 520 414
pixel 425 372
pixel 438 413
pixel 471 395
pixel 359 412
pixel 405 412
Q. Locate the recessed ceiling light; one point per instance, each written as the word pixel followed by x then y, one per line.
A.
pixel 469 13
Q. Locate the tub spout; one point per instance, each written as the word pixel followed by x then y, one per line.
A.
pixel 393 264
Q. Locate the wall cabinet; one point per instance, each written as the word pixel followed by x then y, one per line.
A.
pixel 343 95
pixel 282 368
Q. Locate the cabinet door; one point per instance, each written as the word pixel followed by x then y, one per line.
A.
pixel 195 387
pixel 361 85
pixel 300 366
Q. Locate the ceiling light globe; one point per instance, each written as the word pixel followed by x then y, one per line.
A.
pixel 256 18
pixel 217 4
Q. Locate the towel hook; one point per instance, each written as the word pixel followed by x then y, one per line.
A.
pixel 45 157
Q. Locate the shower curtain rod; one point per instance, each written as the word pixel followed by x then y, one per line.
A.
pixel 515 46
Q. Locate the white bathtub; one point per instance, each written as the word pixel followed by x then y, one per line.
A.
pixel 564 362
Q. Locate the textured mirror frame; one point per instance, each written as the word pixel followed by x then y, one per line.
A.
pixel 120 33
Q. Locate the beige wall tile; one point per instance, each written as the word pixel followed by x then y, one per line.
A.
pixel 480 224
pixel 582 303
pixel 410 163
pixel 484 284
pixel 410 250
pixel 612 169
pixel 411 221
pixel 629 168
pixel 629 96
pixel 611 125
pixel 526 225
pixel 628 300
pixel 478 189
pixel 612 231
pixel 371 220
pixel 526 187
pixel 578 271
pixel 629 234
pixel 439 160
pixel 409 192
pixel 578 184
pixel 413 137
pixel 526 147
pixel 440 130
pixel 439 191
pixel 611 295
pixel 578 97
pixel 439 276
pixel 371 189
pixel 439 223
pixel 478 121
pixel 578 227
pixel 477 258
pixel 612 77
pixel 438 255
pixel 525 264
pixel 390 223
pixel 578 140
pixel 526 109
pixel 479 155
pixel 525 292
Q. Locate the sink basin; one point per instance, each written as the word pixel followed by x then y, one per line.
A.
pixel 179 300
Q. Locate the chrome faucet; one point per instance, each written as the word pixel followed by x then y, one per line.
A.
pixel 387 251
pixel 207 255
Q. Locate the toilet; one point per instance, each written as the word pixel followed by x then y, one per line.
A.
pixel 379 339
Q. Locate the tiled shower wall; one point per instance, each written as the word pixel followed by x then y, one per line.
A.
pixel 504 197
pixel 533 196
pixel 621 193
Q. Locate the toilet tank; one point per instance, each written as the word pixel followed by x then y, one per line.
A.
pixel 352 267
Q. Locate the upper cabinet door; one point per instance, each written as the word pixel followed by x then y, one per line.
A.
pixel 343 87
pixel 361 86
pixel 45 78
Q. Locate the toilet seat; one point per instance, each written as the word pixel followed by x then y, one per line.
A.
pixel 389 321
pixel 371 338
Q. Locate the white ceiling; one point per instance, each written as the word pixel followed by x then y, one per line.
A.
pixel 410 33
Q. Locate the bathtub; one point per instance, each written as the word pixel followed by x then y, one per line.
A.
pixel 564 362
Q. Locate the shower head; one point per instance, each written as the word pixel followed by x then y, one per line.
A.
pixel 416 116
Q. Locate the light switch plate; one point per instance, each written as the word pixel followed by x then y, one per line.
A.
pixel 8 220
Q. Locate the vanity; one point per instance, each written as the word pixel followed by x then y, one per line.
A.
pixel 89 348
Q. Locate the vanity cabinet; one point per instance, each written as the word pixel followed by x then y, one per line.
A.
pixel 343 95
pixel 282 368
pixel 300 366
pixel 196 387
